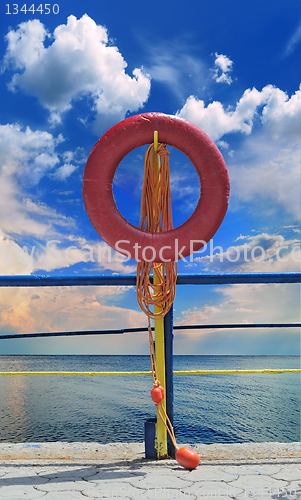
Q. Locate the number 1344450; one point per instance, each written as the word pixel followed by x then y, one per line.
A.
pixel 45 8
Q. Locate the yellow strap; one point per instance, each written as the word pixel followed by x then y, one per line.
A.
pixel 89 374
pixel 176 372
pixel 234 372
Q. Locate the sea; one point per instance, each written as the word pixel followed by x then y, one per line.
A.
pixel 108 409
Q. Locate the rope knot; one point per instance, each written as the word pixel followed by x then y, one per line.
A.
pixel 162 149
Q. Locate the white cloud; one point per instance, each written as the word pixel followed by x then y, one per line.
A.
pixel 26 45
pixel 172 64
pixel 261 253
pixel 14 214
pixel 80 61
pixel 216 121
pixel 222 68
pixel 225 146
pixel 18 258
pixel 77 156
pixel 54 309
pixel 294 228
pixel 27 152
pixel 246 304
pixel 44 210
pixel 294 40
pixel 26 155
pixel 243 304
pixel 277 178
pixel 65 171
pixel 266 165
pixel 261 303
pixel 64 253
pixel 13 259
pixel 281 114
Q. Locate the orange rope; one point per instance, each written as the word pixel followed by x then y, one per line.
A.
pixel 156 216
pixel 152 355
pixel 168 425
pixel 159 406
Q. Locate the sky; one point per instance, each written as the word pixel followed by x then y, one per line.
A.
pixel 233 69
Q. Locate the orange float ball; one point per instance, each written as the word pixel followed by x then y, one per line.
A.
pixel 157 394
pixel 187 458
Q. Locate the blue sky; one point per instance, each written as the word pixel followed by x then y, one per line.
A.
pixel 231 68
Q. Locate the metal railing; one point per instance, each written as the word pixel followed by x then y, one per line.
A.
pixel 130 280
pixel 127 280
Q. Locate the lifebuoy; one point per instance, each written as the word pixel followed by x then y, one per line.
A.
pixel 101 208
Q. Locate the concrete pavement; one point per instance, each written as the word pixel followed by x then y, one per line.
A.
pixel 67 471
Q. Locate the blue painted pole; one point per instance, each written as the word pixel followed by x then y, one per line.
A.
pixel 168 343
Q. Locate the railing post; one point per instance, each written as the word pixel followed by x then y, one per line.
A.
pixel 168 337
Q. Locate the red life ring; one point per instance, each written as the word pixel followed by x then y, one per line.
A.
pixel 99 202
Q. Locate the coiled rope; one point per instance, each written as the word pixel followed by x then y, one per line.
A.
pixel 156 216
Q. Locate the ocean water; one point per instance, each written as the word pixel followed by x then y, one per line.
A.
pixel 207 408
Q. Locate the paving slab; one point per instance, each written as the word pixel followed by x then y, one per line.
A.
pixel 67 471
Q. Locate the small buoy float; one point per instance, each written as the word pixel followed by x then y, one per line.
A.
pixel 187 458
pixel 157 394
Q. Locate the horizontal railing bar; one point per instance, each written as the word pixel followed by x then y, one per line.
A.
pixel 176 372
pixel 32 281
pixel 67 334
pixel 235 278
pixel 238 325
pixel 130 280
pixel 145 329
